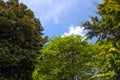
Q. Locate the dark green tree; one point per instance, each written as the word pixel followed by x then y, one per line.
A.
pixel 64 58
pixel 20 40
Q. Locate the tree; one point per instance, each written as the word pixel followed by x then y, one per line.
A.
pixel 64 58
pixel 107 28
pixel 20 40
pixel 108 24
pixel 107 60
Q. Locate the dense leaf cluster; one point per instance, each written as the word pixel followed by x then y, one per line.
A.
pixel 20 40
pixel 63 59
pixel 107 60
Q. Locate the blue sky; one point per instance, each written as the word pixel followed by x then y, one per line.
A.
pixel 62 17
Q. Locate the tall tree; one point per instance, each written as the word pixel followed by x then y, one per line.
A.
pixel 20 40
pixel 108 24
pixel 106 27
pixel 64 58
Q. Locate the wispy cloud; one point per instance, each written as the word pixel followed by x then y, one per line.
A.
pixel 55 10
pixel 75 30
pixel 50 10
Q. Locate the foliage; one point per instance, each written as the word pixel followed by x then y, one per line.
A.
pixel 107 60
pixel 107 28
pixel 63 58
pixel 107 25
pixel 20 40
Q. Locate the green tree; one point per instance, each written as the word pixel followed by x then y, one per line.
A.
pixel 63 58
pixel 107 60
pixel 20 40
pixel 107 25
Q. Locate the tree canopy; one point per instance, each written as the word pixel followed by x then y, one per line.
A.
pixel 107 25
pixel 107 28
pixel 63 58
pixel 20 40
pixel 106 60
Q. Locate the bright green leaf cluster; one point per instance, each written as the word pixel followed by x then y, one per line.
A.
pixel 63 58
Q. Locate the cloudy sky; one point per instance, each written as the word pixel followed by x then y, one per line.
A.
pixel 62 17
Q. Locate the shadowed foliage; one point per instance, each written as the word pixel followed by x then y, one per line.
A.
pixel 20 40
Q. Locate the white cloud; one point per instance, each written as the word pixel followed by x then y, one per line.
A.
pixel 75 30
